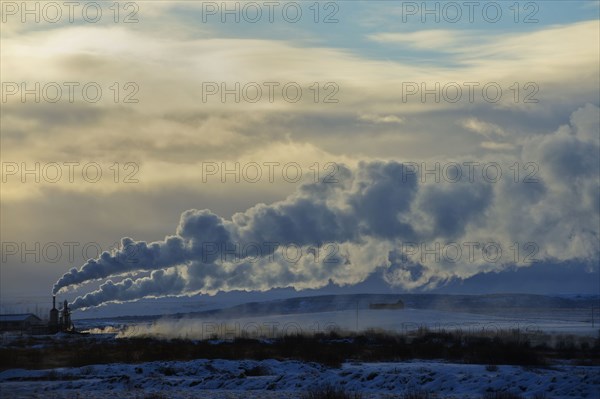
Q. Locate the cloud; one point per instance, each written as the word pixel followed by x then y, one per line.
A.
pixel 170 132
pixel 434 39
pixel 492 145
pixel 392 119
pixel 165 135
pixel 494 134
pixel 486 129
pixel 370 216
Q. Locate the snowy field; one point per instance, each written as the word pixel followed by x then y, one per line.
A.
pixel 271 378
pixel 402 321
pixel 470 313
pixel 289 379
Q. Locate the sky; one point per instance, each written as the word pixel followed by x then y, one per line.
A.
pixel 213 148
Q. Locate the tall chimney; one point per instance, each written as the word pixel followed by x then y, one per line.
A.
pixel 53 316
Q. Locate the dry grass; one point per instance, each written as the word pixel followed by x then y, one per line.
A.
pixel 331 350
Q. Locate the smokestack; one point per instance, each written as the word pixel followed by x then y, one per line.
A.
pixel 53 325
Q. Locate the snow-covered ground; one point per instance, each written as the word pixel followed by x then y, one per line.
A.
pixel 471 313
pixel 289 379
pixel 402 321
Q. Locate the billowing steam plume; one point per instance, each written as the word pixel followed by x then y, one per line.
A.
pixel 379 217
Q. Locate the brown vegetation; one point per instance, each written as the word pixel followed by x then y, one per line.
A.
pixel 509 347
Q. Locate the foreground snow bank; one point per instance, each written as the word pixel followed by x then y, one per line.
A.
pixel 289 379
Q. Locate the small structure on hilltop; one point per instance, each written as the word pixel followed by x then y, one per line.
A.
pixel 378 306
pixel 22 322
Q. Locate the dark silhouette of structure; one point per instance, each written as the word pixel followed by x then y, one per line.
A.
pixel 53 313
pixel 60 321
pixel 378 306
pixel 23 322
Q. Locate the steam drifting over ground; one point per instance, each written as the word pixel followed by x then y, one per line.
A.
pixel 381 216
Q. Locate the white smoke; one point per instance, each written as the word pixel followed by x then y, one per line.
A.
pixel 377 217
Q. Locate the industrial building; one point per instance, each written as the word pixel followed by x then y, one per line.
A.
pixel 60 321
pixel 23 322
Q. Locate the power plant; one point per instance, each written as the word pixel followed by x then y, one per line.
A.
pixel 60 321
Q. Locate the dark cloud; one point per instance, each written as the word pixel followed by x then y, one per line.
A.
pixel 452 207
pixel 369 213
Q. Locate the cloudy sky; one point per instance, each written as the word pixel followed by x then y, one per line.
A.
pixel 377 144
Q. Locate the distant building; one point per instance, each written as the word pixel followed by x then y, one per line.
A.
pixel 24 322
pixel 397 305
